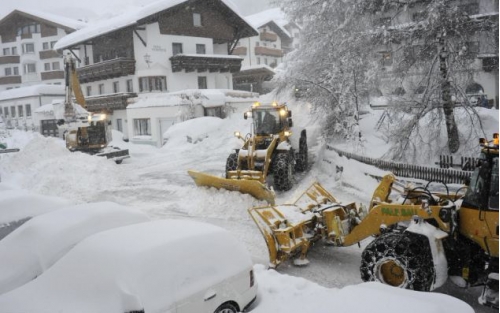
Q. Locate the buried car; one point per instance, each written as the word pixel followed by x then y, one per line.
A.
pixel 161 266
pixel 37 244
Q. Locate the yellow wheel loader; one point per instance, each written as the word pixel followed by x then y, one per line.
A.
pixel 421 237
pixel 84 131
pixel 268 149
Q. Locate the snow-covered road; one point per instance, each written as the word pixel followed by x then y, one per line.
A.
pixel 156 182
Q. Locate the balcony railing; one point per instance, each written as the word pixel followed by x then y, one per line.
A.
pixel 265 36
pixel 10 59
pixel 52 75
pixel 7 80
pixel 107 69
pixel 268 52
pixel 118 101
pixel 240 51
pixel 49 54
pixel 202 63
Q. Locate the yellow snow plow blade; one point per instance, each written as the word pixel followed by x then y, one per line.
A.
pixel 252 187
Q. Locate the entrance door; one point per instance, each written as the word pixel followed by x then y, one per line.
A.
pixel 164 124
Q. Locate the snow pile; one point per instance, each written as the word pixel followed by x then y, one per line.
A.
pixel 282 293
pixel 45 166
pixel 134 267
pixel 16 205
pixel 39 243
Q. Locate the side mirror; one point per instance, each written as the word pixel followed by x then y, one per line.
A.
pixel 289 113
pixel 290 122
pixel 109 123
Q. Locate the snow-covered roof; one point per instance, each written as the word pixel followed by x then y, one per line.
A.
pixel 129 18
pixel 275 15
pixel 32 91
pixel 255 67
pixel 205 97
pixel 48 17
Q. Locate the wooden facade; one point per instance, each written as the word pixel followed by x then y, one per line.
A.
pixel 106 70
pixel 202 64
pixel 9 59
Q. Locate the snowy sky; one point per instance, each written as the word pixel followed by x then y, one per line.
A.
pixel 90 9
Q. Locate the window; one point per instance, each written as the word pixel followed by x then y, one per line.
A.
pixel 14 50
pixel 383 21
pixel 28 48
pixel 13 111
pixel 265 61
pixel 116 87
pixel 176 48
pixel 28 110
pixel 472 48
pixel 119 125
pixel 89 91
pixel 28 29
pixel 419 16
pixel 56 66
pixel 258 60
pixel 197 19
pixel 52 44
pixel 6 111
pixel 101 89
pixel 8 71
pixel 142 127
pixel 152 83
pixel 200 49
pixel 16 71
pixel 6 51
pixel 20 110
pixel 130 86
pixel 202 82
pixel 386 58
pixel 257 44
pixel 470 8
pixel 29 68
pixel 45 46
pixel 47 66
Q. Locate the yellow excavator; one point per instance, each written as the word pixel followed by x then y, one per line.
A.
pixel 421 236
pixel 270 149
pixel 84 131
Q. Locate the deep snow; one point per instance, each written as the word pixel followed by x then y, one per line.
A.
pixel 155 181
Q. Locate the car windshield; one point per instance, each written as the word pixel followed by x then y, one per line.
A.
pixel 482 187
pixel 266 122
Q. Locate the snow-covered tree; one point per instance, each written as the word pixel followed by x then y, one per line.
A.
pixel 420 52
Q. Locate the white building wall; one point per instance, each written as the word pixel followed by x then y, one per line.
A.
pixel 250 59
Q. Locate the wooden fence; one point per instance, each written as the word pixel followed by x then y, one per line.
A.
pixel 446 175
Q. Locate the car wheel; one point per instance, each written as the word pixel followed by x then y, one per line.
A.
pixel 227 308
pixel 231 163
pixel 401 260
pixel 283 172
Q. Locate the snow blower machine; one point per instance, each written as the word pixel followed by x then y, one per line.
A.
pixel 268 149
pixel 421 237
pixel 84 131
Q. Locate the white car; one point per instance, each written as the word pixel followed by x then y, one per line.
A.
pixel 163 266
pixel 37 244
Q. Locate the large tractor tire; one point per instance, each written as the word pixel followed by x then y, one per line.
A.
pixel 301 156
pixel 283 172
pixel 399 259
pixel 231 163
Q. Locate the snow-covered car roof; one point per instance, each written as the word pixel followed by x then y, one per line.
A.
pixel 143 266
pixel 36 245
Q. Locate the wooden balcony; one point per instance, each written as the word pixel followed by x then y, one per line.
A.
pixel 7 80
pixel 9 59
pixel 117 101
pixel 268 52
pixel 240 51
pixel 52 75
pixel 106 70
pixel 203 63
pixel 266 36
pixel 49 54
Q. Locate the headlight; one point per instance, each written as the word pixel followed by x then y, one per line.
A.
pixel 288 133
